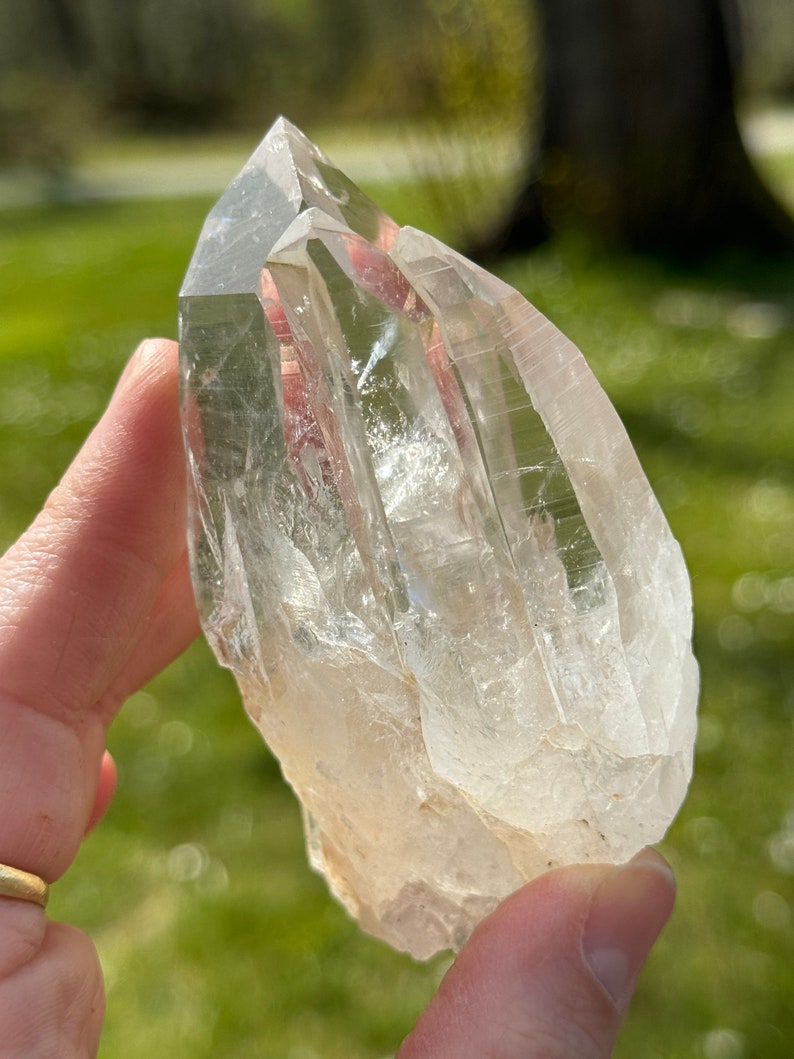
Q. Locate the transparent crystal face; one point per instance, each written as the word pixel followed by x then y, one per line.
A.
pixel 422 541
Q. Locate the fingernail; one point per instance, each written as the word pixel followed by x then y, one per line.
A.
pixel 628 911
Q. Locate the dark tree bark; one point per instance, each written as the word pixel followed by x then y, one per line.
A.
pixel 640 144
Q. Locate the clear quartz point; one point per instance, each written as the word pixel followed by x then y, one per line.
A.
pixel 424 545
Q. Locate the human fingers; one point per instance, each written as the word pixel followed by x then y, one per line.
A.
pixel 550 974
pixel 52 1006
pixel 106 788
pixel 79 585
pixel 172 625
pixel 93 600
pixel 162 640
pixel 80 594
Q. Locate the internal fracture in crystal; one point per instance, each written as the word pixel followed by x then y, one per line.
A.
pixel 423 543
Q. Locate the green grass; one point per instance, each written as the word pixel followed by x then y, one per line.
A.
pixel 216 938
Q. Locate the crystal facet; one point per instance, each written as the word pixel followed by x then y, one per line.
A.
pixel 423 543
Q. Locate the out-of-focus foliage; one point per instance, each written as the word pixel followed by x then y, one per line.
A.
pixel 471 126
pixel 134 63
pixel 453 58
pixel 70 69
pixel 768 52
pixel 74 69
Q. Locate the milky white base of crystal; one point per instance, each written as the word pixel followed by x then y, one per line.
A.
pixel 409 855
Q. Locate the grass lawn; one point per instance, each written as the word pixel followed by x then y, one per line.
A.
pixel 216 938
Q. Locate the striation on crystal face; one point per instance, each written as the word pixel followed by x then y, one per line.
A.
pixel 422 541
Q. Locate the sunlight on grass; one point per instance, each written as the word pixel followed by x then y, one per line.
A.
pixel 216 938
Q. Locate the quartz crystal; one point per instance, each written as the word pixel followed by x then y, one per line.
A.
pixel 423 543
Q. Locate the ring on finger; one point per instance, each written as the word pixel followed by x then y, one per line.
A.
pixel 23 885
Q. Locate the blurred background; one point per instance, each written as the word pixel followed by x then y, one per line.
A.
pixel 629 166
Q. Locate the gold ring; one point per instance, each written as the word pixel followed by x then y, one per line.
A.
pixel 23 885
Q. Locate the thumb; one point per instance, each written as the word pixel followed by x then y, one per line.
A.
pixel 549 975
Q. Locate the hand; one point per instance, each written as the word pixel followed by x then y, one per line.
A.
pixel 94 600
pixel 550 974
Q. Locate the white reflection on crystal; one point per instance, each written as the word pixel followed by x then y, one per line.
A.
pixel 381 348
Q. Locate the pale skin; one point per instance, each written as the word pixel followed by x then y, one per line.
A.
pixel 95 599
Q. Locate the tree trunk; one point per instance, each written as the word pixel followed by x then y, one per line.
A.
pixel 639 143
